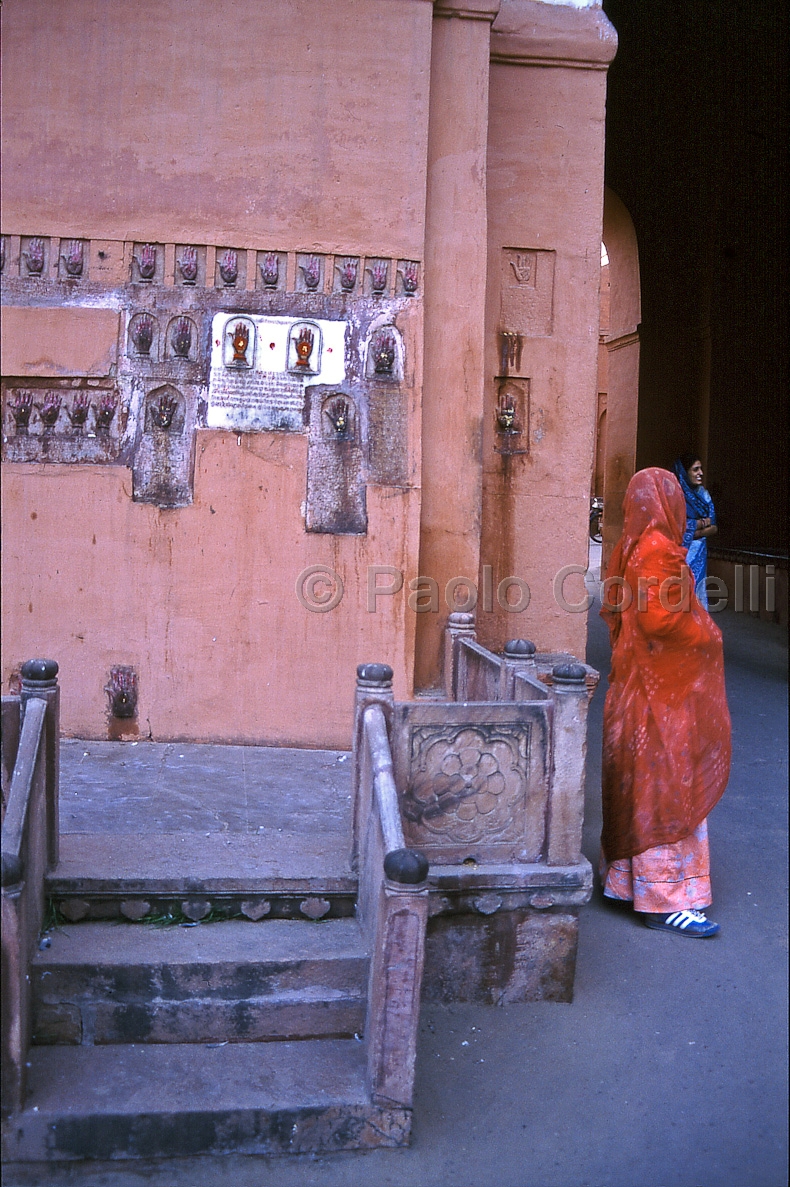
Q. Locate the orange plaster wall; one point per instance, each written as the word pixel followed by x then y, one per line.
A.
pixel 303 122
pixel 201 600
pixel 545 191
pixel 58 342
pixel 287 126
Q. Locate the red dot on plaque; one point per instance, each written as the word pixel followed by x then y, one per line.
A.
pixel 216 342
pixel 329 350
pixel 271 346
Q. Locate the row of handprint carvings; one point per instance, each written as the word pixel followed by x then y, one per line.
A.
pixel 40 257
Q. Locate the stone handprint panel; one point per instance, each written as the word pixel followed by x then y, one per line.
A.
pixel 472 780
pixel 51 420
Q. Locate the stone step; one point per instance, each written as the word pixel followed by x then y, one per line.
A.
pixel 231 981
pixel 102 876
pixel 155 1101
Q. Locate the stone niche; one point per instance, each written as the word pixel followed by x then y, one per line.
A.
pixel 336 492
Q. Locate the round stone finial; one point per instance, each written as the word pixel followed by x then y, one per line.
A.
pixel 569 674
pixel 461 618
pixel 39 671
pixel 520 649
pixel 375 673
pixel 407 866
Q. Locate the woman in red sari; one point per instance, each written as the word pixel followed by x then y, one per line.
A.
pixel 666 748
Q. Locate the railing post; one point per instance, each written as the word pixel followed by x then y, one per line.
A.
pixel 569 749
pixel 518 656
pixel 40 680
pixel 396 978
pixel 459 625
pixel 374 687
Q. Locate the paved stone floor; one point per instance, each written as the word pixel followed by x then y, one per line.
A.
pixel 669 1067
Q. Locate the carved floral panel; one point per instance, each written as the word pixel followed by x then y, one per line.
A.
pixel 467 784
pixel 473 780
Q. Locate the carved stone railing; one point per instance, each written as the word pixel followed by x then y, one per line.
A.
pixel 30 762
pixel 393 898
pixel 490 786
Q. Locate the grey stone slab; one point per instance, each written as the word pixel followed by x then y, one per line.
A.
pixel 208 863
pixel 281 941
pixel 329 1014
pixel 148 787
pixel 161 1100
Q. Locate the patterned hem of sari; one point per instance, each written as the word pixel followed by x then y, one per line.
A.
pixel 665 878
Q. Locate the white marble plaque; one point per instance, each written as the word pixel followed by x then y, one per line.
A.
pixel 258 378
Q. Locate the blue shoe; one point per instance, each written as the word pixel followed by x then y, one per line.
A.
pixel 685 923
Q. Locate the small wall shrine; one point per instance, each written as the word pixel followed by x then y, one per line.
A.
pixel 260 367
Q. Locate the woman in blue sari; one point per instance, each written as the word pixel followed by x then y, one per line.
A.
pixel 700 520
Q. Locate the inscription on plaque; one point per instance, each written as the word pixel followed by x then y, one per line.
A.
pixel 259 384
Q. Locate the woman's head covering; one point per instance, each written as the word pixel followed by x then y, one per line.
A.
pixel 653 502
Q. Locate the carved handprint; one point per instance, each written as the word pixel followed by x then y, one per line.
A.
pixel 142 333
pixel 105 410
pixel 304 347
pixel 379 273
pixel 80 407
pixel 188 265
pixel 49 411
pixel 21 405
pixel 146 261
pixel 163 411
pixel 312 273
pixel 384 353
pixel 229 267
pixel 348 274
pixel 411 277
pixel 338 416
pixel 522 268
pixel 240 340
pixel 181 338
pixel 73 259
pixel 34 257
pixel 270 270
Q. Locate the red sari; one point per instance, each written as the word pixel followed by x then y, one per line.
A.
pixel 666 748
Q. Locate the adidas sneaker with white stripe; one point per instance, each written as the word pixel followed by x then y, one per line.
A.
pixel 684 923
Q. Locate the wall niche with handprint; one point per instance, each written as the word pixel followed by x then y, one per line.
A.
pixel 304 348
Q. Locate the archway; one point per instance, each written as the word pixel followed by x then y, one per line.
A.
pixel 618 366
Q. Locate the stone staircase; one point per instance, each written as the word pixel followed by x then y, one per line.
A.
pixel 206 994
pixel 161 1041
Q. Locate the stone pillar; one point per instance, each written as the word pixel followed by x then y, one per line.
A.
pixel 620 338
pixel 545 202
pixel 455 279
pixel 569 751
pixel 458 626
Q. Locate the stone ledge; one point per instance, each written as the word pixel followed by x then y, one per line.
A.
pixel 531 33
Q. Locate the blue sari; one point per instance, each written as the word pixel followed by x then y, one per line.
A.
pixel 699 505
